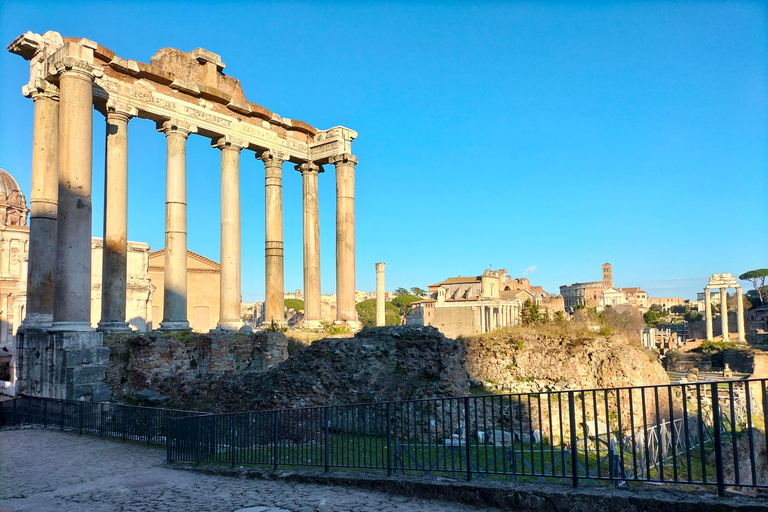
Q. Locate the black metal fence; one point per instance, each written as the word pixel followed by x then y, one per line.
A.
pixel 693 433
pixel 145 424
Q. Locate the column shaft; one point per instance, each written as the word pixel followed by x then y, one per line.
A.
pixel 740 314
pixel 708 313
pixel 312 312
pixel 274 300
pixel 175 274
pixel 72 294
pixel 43 206
pixel 345 238
pixel 724 313
pixel 115 252
pixel 229 297
pixel 380 296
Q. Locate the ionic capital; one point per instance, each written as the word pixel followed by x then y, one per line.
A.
pixel 120 111
pixel 309 167
pixel 176 126
pixel 80 67
pixel 272 158
pixel 227 142
pixel 343 159
pixel 40 88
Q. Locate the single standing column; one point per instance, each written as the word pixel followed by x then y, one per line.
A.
pixel 708 313
pixel 114 263
pixel 724 313
pixel 175 276
pixel 72 294
pixel 43 207
pixel 740 314
pixel 312 314
pixel 380 293
pixel 482 318
pixel 229 296
pixel 345 238
pixel 274 302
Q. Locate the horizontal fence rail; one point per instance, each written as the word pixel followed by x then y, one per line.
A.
pixel 710 433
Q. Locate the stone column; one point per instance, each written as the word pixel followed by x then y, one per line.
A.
pixel 175 276
pixel 312 314
pixel 380 295
pixel 708 313
pixel 740 314
pixel 274 302
pixel 345 238
pixel 724 313
pixel 43 207
pixel 229 295
pixel 72 293
pixel 114 263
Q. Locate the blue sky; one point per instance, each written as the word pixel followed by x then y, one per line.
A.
pixel 544 138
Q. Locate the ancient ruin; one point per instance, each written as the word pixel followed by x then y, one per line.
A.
pixel 183 93
pixel 723 282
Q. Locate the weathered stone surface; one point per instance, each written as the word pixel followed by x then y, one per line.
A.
pixel 144 396
pixel 160 399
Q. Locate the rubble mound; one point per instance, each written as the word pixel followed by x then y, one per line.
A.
pixel 378 364
pixel 524 360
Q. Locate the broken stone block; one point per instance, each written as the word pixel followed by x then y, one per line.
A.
pixel 145 396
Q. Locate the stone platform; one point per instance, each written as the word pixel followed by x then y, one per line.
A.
pixel 65 364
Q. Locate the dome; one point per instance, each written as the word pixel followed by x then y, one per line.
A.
pixel 8 184
pixel 13 205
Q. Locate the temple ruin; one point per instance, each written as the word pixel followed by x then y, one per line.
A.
pixel 184 94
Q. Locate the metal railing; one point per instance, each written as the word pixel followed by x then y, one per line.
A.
pixel 693 433
pixel 144 424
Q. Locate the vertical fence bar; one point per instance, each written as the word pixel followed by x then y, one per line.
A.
pixel 15 400
pixel 765 414
pixel 168 454
pixel 274 450
pixel 389 439
pixel 327 440
pixel 752 465
pixel 735 441
pixel 673 433
pixel 80 417
pixel 466 438
pixel 232 440
pixel 718 445
pixel 574 439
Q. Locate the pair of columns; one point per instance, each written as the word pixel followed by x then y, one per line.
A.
pixel 345 247
pixel 724 313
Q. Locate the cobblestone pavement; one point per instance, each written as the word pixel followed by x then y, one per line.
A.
pixel 51 471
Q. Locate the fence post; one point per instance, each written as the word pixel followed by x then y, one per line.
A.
pixel 274 449
pixel 574 439
pixel 80 417
pixel 149 413
pixel 101 419
pixel 389 439
pixel 232 439
pixel 327 440
pixel 467 429
pixel 197 439
pixel 168 455
pixel 718 445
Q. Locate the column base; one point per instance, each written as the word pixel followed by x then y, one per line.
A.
pixel 354 325
pixel 114 327
pixel 312 324
pixel 174 326
pixel 36 322
pixel 71 327
pixel 231 325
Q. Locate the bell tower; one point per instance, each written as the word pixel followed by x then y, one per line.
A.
pixel 607 275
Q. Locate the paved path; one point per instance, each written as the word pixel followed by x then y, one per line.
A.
pixel 51 471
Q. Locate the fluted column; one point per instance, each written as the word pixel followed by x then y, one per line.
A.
pixel 740 314
pixel 482 318
pixel 724 313
pixel 274 299
pixel 381 317
pixel 43 207
pixel 72 294
pixel 708 313
pixel 312 313
pixel 229 296
pixel 175 275
pixel 114 263
pixel 345 238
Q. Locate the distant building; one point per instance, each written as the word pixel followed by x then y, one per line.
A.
pixel 668 302
pixel 637 297
pixel 586 294
pixel 611 297
pixel 599 294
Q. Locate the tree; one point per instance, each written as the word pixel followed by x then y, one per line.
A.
pixel 418 291
pixel 401 291
pixel 367 312
pixel 652 317
pixel 296 304
pixel 757 278
pixel 530 313
pixel 403 303
pixel 678 310
pixel 693 316
pixel 624 318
